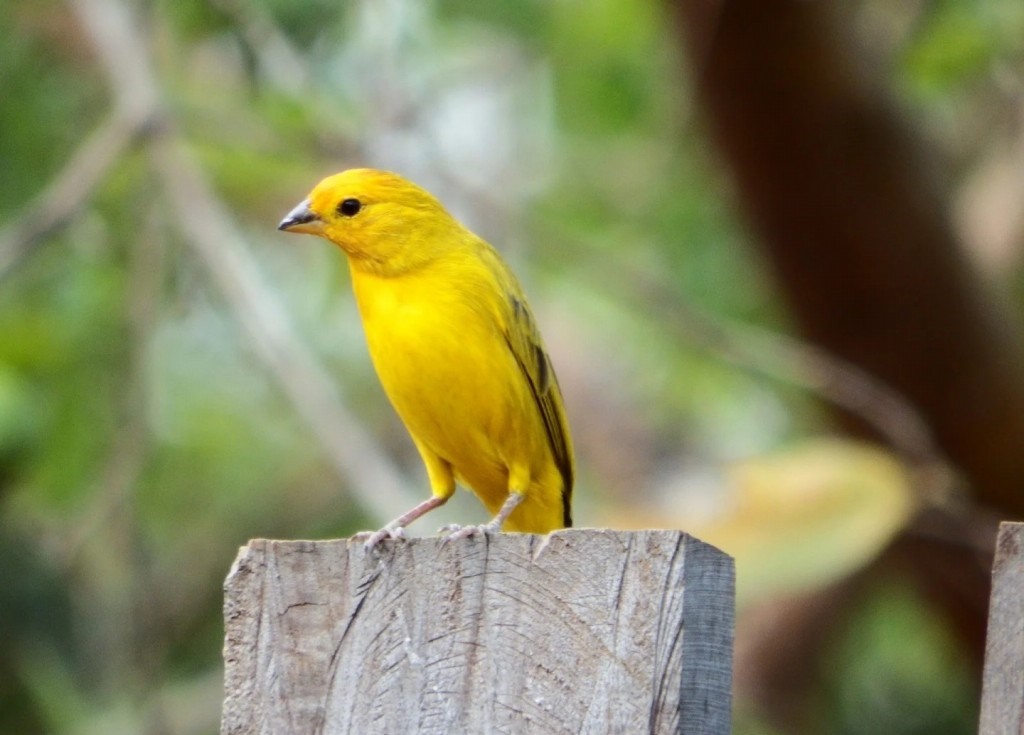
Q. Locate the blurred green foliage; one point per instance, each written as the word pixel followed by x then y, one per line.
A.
pixel 141 438
pixel 894 658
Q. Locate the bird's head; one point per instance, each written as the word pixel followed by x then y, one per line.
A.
pixel 383 222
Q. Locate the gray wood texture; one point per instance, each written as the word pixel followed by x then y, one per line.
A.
pixel 1002 695
pixel 580 631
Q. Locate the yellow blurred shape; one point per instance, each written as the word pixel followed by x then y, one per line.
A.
pixel 805 516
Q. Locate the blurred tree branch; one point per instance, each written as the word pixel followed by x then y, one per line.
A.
pixel 851 217
pixel 828 377
pixel 69 191
pixel 210 231
pixel 374 479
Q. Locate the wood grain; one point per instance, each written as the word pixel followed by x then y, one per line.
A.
pixel 1002 696
pixel 580 631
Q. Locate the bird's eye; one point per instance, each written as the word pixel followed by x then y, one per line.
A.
pixel 350 207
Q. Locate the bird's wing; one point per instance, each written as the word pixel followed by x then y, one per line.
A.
pixel 523 338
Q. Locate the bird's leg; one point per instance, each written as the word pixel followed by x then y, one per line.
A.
pixel 442 487
pixel 396 529
pixel 494 525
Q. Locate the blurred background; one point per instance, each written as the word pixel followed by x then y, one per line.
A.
pixel 775 248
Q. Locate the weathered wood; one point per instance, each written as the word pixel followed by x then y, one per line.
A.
pixel 581 631
pixel 1002 696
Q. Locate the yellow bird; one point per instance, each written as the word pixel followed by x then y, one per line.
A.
pixel 455 347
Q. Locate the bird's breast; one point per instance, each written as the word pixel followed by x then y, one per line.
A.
pixel 441 357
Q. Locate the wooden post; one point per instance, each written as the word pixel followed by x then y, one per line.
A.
pixel 1002 693
pixel 580 631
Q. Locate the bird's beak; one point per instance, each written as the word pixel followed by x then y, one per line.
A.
pixel 302 219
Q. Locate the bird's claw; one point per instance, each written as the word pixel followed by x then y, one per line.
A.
pixel 372 538
pixel 456 532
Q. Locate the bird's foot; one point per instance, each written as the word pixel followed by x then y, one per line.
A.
pixel 370 539
pixel 456 532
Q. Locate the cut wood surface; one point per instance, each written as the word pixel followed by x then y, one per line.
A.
pixel 580 631
pixel 1002 697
